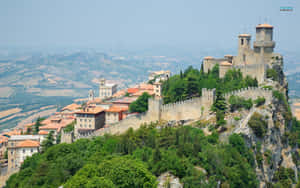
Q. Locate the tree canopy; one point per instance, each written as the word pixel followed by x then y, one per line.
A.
pixel 136 158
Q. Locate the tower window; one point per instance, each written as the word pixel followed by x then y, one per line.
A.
pixel 244 58
pixel 242 41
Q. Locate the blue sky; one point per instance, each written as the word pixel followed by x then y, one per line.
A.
pixel 137 24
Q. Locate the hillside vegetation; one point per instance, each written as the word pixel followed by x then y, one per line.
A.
pixel 190 83
pixel 136 158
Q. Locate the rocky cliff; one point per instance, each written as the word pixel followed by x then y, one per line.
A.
pixel 274 147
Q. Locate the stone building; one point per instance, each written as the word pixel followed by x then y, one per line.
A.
pixel 19 147
pixel 3 145
pixel 106 90
pixel 251 61
pixel 55 125
pixel 115 114
pixel 88 120
pixel 160 75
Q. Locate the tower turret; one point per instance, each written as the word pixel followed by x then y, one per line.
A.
pixel 264 43
pixel 244 46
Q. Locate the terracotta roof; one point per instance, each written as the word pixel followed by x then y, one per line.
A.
pixel 57 126
pixel 13 132
pixel 92 110
pixel 120 93
pixel 96 100
pixel 132 90
pixel 29 125
pixel 244 35
pixel 225 63
pixel 3 139
pixel 144 86
pixel 125 100
pixel 297 104
pixel 208 57
pixel 28 144
pixel 71 107
pixel 264 26
pixel 42 132
pixel 139 93
pixel 117 109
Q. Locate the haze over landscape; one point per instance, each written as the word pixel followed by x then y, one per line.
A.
pixel 42 43
pixel 156 93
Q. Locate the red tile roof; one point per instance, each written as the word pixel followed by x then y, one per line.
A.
pixel 57 126
pixel 225 63
pixel 28 144
pixel 208 57
pixel 117 109
pixel 90 110
pixel 132 90
pixel 42 132
pixel 264 26
pixel 125 100
pixel 71 107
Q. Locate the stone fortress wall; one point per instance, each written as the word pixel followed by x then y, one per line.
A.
pixel 189 109
pixel 252 93
pixel 183 110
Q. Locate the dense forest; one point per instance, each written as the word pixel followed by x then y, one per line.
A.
pixel 136 158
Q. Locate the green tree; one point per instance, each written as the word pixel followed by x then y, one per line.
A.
pixel 37 125
pixel 48 142
pixel 141 104
pixel 258 124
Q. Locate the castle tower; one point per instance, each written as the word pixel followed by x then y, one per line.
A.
pixel 244 46
pixel 158 89
pixel 264 43
pixel 102 82
pixel 91 95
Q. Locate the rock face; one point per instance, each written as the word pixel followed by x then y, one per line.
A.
pixel 167 180
pixel 273 146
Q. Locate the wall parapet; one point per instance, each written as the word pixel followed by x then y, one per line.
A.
pixel 252 92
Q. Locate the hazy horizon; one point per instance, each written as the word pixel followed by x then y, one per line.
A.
pixel 137 24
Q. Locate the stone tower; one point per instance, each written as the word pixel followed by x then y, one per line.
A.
pixel 264 43
pixel 158 89
pixel 91 95
pixel 102 82
pixel 244 47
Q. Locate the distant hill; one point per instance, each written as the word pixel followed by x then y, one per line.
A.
pixel 294 85
pixel 36 80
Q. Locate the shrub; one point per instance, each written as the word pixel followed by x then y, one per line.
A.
pixel 258 124
pixel 141 104
pixel 237 118
pixel 237 103
pixel 260 101
pixel 272 73
pixel 278 95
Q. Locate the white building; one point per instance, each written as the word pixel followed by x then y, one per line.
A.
pixel 20 147
pixel 106 90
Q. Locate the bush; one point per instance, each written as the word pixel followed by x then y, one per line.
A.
pixel 284 176
pixel 141 104
pixel 272 73
pixel 260 101
pixel 278 95
pixel 237 103
pixel 70 127
pixel 258 124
